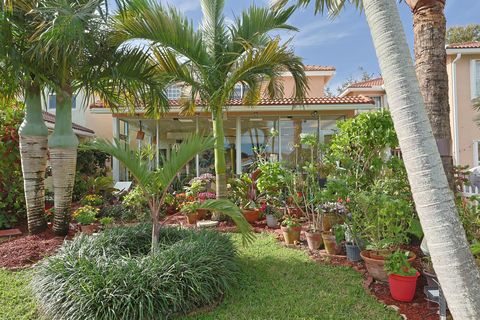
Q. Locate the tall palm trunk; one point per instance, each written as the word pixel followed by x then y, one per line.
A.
pixel 219 152
pixel 33 150
pixel 429 26
pixel 63 158
pixel 451 257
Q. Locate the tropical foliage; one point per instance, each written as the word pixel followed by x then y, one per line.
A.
pixel 212 60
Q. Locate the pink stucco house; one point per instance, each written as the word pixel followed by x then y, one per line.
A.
pixel 463 68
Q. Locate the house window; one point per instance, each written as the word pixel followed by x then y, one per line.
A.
pixel 475 78
pixel 237 92
pixel 378 102
pixel 52 101
pixel 174 92
pixel 476 153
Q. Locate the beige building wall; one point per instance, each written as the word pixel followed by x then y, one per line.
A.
pixel 100 123
pixel 468 131
pixel 316 86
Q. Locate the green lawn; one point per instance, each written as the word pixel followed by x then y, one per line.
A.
pixel 276 283
pixel 281 283
pixel 16 303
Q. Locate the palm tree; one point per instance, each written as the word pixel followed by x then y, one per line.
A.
pixel 20 76
pixel 447 243
pixel 73 39
pixel 215 58
pixel 156 184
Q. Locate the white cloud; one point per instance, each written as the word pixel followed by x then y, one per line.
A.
pixel 319 32
pixel 185 5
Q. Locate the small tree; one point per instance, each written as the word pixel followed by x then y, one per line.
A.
pixel 467 33
pixel 155 184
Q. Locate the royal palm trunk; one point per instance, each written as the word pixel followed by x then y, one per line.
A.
pixel 429 28
pixel 452 260
pixel 219 152
pixel 33 151
pixel 63 159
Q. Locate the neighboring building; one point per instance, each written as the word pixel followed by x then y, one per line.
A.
pixel 463 68
pixel 372 88
pixel 82 132
pixel 247 128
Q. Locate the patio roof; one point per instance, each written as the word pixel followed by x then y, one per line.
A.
pixel 464 45
pixel 49 118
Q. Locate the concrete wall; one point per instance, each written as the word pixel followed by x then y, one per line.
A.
pixel 316 86
pixel 468 131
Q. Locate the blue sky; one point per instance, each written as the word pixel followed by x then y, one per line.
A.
pixel 344 42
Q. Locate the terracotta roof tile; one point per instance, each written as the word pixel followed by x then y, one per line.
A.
pixel 464 45
pixel 319 68
pixel 284 101
pixel 377 82
pixel 49 117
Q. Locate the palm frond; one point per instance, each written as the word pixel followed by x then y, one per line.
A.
pixel 231 210
pixel 193 145
pixel 332 7
pixel 129 158
pixel 214 32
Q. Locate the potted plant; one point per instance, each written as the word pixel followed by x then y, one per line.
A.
pixel 272 213
pixel 314 231
pixel 189 209
pixel 243 192
pixel 291 229
pixel 402 277
pixel 202 197
pixel 86 216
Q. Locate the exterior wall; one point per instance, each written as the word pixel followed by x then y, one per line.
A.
pixel 468 131
pixel 100 123
pixel 316 86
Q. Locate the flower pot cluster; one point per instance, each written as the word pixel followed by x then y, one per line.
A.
pixel 196 192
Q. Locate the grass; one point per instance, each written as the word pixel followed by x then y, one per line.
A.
pixel 275 283
pixel 16 301
pixel 281 283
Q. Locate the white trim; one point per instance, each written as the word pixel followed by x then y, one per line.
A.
pixel 115 162
pixel 197 156
pixel 311 73
pixel 475 153
pixel 362 89
pixel 473 78
pixel 238 146
pixel 463 51
pixel 258 109
pixel 456 147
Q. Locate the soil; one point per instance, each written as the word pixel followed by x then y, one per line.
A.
pixel 25 250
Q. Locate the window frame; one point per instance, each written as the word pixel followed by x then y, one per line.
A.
pixel 474 77
pixel 175 87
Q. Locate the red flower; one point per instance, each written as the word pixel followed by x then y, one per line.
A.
pixel 339 200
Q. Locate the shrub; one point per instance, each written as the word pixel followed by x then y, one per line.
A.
pixel 118 212
pixel 91 200
pixel 113 275
pixel 85 215
pixel 136 201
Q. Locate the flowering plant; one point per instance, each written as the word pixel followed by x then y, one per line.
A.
pixel 86 214
pixel 202 196
pixel 188 208
pixel 92 200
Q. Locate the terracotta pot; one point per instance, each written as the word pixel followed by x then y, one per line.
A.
pixel 331 219
pixel 291 234
pixel 202 214
pixel 330 242
pixel 402 288
pixel 272 222
pixel 89 228
pixel 314 240
pixel 251 215
pixel 192 218
pixel 375 264
pixel 295 212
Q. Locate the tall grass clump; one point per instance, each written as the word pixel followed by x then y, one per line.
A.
pixel 113 275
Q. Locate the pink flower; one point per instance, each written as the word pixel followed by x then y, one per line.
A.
pixel 263 207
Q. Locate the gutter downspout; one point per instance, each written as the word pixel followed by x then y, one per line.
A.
pixel 455 109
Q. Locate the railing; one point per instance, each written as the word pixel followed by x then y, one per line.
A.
pixel 469 191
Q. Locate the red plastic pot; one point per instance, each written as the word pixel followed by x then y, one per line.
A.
pixel 402 288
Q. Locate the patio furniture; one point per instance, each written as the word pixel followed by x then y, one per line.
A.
pixel 434 294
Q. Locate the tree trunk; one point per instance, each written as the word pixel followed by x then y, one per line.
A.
pixel 33 151
pixel 220 165
pixel 154 210
pixel 429 29
pixel 63 158
pixel 452 260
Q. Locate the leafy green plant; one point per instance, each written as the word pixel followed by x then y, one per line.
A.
pixel 136 201
pixel 192 269
pixel 290 222
pixel 189 208
pixel 86 215
pixel 155 184
pixel 118 212
pixel 397 263
pixel 91 200
pixel 272 179
pixel 106 221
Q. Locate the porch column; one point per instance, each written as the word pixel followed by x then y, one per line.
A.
pixel 238 146
pixel 115 162
pixel 197 156
pixel 157 151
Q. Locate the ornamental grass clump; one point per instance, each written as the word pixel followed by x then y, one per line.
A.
pixel 114 275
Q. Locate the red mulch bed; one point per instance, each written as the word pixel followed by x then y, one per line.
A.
pixel 25 250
